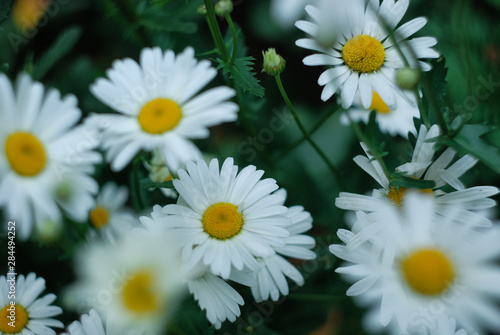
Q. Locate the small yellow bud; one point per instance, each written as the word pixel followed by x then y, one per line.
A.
pixel 407 78
pixel 274 64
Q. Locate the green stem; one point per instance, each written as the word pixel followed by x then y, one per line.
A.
pixel 130 14
pixel 372 150
pixel 313 130
pixel 289 104
pixel 421 109
pixel 235 38
pixel 216 33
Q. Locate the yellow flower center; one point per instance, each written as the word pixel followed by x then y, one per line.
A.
pixel 25 153
pixel 13 319
pixel 397 196
pixel 378 104
pixel 138 294
pixel 428 271
pixel 159 115
pixel 99 217
pixel 363 54
pixel 222 221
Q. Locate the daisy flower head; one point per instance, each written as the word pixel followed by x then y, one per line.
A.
pixel 45 161
pixel 275 269
pixel 395 121
pixel 109 216
pixel 431 267
pixel 224 218
pixel 91 324
pixel 134 283
pixel 423 166
pixel 158 106
pixel 364 59
pixel 27 314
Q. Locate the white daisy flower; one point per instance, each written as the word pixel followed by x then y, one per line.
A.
pixel 274 269
pixel 226 218
pixel 286 12
pixel 134 284
pixel 28 315
pixel 431 267
pixel 158 107
pixel 91 324
pixel 422 166
pixel 109 216
pixel 364 59
pixel 214 295
pixel 442 326
pixel 396 121
pixel 44 161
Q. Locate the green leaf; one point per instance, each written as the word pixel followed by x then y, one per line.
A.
pixel 469 141
pixel 5 7
pixel 61 47
pixel 148 183
pixel 408 182
pixel 242 73
pixel 4 68
pixel 190 320
pixel 437 78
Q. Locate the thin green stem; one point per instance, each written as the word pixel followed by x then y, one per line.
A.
pixel 372 150
pixel 289 104
pixel 313 130
pixel 235 38
pixel 216 33
pixel 421 109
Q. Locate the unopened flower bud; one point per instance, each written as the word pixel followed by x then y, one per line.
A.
pixel 407 78
pixel 223 7
pixel 202 10
pixel 48 231
pixel 274 64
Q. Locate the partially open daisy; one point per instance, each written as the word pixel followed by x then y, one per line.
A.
pixel 28 315
pixel 432 267
pixel 423 166
pixel 109 216
pixel 226 218
pixel 394 121
pixel 364 58
pixel 135 283
pixel 275 269
pixel 158 107
pixel 44 160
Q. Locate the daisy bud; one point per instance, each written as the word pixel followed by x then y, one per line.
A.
pixel 64 190
pixel 49 230
pixel 407 78
pixel 274 64
pixel 202 10
pixel 223 7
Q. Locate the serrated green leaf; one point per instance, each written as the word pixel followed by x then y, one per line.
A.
pixel 469 141
pixel 5 7
pixel 399 180
pixel 437 78
pixel 148 183
pixel 61 47
pixel 243 75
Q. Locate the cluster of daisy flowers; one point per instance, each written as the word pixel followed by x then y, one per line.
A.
pixel 226 225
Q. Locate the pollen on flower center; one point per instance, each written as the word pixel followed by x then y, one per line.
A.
pixel 363 54
pixel 21 319
pixel 99 217
pixel 428 271
pixel 222 221
pixel 378 104
pixel 397 196
pixel 138 294
pixel 25 153
pixel 159 115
